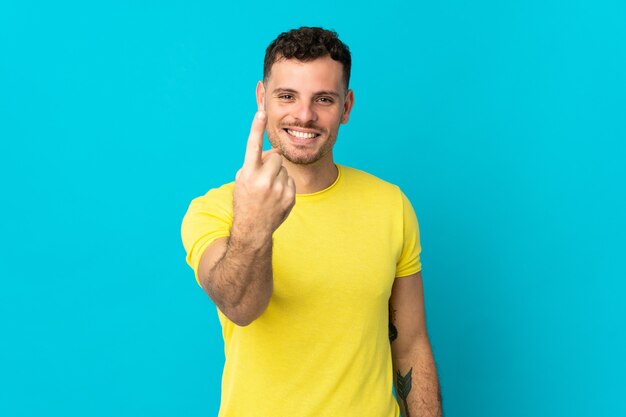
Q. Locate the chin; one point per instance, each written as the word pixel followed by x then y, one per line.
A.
pixel 301 159
pixel 300 155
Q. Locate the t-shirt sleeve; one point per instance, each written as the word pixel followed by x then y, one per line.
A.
pixel 208 218
pixel 409 261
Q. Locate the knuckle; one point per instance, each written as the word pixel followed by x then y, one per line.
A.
pixel 242 175
pixel 278 187
pixel 263 183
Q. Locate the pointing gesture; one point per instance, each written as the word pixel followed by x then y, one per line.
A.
pixel 264 193
pixel 255 141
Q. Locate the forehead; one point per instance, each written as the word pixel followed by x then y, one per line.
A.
pixel 320 74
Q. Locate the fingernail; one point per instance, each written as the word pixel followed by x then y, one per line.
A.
pixel 260 115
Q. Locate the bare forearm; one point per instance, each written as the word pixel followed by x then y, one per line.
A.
pixel 241 282
pixel 417 385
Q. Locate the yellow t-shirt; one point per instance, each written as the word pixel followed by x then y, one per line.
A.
pixel 321 348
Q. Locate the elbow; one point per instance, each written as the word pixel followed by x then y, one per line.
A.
pixel 240 306
pixel 244 313
pixel 242 317
pixel 410 347
pixel 242 321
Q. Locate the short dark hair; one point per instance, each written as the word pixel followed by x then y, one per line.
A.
pixel 307 44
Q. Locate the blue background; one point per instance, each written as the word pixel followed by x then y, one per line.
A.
pixel 504 123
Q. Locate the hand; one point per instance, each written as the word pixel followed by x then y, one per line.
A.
pixel 264 193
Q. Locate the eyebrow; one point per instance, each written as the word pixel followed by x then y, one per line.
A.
pixel 318 93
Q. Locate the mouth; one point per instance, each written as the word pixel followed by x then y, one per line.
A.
pixel 301 134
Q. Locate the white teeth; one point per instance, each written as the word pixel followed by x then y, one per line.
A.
pixel 301 135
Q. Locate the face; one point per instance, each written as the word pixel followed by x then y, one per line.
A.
pixel 305 103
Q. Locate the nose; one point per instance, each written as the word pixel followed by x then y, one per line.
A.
pixel 304 112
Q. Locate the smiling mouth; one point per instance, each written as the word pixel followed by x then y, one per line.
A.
pixel 301 135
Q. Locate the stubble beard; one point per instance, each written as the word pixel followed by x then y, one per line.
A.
pixel 300 155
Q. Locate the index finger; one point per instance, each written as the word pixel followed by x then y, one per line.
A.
pixel 254 147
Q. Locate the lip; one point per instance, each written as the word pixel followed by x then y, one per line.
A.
pixel 299 129
pixel 302 141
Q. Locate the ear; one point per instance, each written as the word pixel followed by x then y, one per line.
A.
pixel 260 95
pixel 347 107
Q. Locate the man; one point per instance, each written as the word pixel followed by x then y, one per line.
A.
pixel 314 266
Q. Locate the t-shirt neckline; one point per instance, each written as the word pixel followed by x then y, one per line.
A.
pixel 327 189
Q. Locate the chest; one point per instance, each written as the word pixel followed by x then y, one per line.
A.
pixel 340 257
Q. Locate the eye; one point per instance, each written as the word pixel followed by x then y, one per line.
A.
pixel 285 97
pixel 325 100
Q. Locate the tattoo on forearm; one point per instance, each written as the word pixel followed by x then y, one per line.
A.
pixel 393 331
pixel 403 386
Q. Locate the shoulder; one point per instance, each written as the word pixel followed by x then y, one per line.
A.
pixel 224 191
pixel 370 184
pixel 216 199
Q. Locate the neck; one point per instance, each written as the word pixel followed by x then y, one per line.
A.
pixel 313 177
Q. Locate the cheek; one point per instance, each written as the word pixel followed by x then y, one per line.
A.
pixel 275 115
pixel 273 126
pixel 334 120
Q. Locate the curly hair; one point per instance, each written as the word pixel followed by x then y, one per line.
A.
pixel 306 44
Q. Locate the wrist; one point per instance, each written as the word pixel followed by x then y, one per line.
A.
pixel 250 238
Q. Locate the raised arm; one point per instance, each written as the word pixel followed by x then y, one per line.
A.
pixel 415 374
pixel 236 272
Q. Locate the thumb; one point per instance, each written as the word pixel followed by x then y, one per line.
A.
pixel 269 152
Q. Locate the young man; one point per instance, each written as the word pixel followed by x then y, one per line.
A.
pixel 314 266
